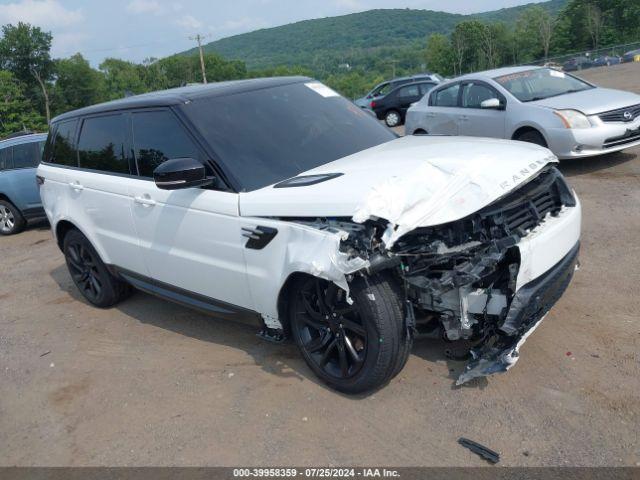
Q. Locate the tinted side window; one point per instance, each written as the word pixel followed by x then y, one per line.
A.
pixel 473 94
pixel 409 91
pixel 5 158
pixel 158 137
pixel 425 87
pixel 102 144
pixel 64 149
pixel 447 97
pixel 26 155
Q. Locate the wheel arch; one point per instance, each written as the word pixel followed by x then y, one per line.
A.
pixel 6 198
pixel 61 229
pixel 64 225
pixel 529 128
pixel 284 298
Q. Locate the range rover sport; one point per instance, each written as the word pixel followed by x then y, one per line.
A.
pixel 277 200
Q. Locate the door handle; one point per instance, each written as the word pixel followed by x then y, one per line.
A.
pixel 145 201
pixel 76 186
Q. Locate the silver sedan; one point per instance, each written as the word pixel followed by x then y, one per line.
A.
pixel 570 116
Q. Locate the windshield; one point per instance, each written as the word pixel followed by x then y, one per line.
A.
pixel 541 83
pixel 269 135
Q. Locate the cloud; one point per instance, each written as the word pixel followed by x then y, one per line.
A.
pixel 69 43
pixel 349 4
pixel 43 13
pixel 241 24
pixel 189 22
pixel 145 6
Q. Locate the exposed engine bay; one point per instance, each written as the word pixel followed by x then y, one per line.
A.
pixel 460 279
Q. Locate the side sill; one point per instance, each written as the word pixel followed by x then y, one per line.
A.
pixel 202 303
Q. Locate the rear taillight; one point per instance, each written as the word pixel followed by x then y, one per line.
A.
pixel 372 104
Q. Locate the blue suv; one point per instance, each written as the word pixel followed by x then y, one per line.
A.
pixel 19 195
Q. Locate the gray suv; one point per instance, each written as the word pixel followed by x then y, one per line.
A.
pixel 19 196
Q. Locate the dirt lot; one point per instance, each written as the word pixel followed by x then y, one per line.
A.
pixel 152 383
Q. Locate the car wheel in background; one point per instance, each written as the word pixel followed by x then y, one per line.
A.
pixel 355 347
pixel 11 220
pixel 90 274
pixel 532 136
pixel 392 118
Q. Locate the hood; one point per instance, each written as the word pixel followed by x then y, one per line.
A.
pixel 592 101
pixel 411 181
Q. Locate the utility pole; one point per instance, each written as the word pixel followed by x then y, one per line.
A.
pixel 199 39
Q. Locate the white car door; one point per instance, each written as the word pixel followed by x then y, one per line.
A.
pixel 98 190
pixel 442 113
pixel 190 239
pixel 477 121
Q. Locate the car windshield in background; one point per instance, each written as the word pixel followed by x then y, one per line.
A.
pixel 268 135
pixel 541 83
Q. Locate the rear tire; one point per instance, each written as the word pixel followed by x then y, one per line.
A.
pixel 532 136
pixel 11 220
pixel 353 349
pixel 392 118
pixel 89 273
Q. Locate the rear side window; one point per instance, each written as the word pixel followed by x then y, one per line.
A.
pixel 158 137
pixel 26 155
pixel 409 91
pixel 425 87
pixel 446 97
pixel 102 144
pixel 61 149
pixel 5 158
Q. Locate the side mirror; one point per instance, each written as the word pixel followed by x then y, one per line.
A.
pixel 493 103
pixel 179 173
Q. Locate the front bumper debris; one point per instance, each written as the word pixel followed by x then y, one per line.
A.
pixel 500 351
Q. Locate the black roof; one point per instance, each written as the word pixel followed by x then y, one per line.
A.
pixel 176 96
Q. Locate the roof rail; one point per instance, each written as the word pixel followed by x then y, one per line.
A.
pixel 18 134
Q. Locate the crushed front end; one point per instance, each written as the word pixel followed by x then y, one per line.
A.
pixel 488 278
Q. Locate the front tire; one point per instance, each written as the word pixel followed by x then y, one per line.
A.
pixel 89 273
pixel 353 348
pixel 392 118
pixel 11 220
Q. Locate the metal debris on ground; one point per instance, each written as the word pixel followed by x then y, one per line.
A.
pixel 484 452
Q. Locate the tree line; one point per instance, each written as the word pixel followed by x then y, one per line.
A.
pixel 536 35
pixel 34 87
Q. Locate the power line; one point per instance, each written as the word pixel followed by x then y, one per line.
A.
pixel 111 49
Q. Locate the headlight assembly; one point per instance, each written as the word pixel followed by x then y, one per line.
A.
pixel 573 118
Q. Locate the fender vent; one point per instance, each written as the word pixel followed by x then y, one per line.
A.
pixel 259 237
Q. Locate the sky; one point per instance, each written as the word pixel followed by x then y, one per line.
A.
pixel 138 29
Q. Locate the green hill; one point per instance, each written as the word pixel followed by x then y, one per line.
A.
pixel 312 43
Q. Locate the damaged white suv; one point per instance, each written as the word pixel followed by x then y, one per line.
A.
pixel 278 200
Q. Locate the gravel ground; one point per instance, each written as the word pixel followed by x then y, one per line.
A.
pixel 152 383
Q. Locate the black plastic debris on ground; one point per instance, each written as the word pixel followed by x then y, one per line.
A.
pixel 484 452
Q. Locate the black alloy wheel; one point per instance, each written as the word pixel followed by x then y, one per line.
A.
pixel 353 347
pixel 83 270
pixel 330 330
pixel 90 274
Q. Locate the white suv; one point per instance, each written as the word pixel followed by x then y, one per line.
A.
pixel 279 201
